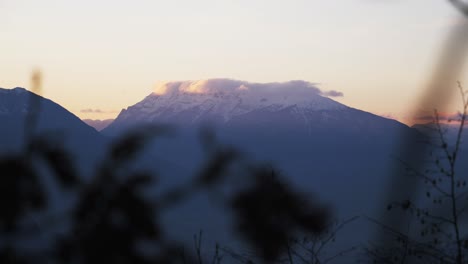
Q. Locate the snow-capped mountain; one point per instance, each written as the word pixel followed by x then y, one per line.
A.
pixel 226 102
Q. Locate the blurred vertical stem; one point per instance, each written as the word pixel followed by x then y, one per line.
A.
pixel 34 105
pixel 437 95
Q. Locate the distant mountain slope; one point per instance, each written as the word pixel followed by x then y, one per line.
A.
pixel 449 131
pixel 98 124
pixel 83 141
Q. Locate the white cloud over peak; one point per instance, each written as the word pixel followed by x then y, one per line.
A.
pixel 212 86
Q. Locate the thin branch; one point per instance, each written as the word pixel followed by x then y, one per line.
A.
pixel 333 233
pixel 340 254
pixel 425 177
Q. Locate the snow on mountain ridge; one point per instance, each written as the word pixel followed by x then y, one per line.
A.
pixel 227 98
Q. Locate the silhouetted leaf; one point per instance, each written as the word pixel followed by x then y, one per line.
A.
pixel 406 204
pixel 20 191
pixel 216 167
pixel 269 212
pixel 125 148
pixel 57 158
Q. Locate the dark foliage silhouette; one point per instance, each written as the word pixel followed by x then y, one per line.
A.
pixel 268 214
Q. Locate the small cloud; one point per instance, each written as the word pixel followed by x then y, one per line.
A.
pixel 89 110
pixel 332 93
pixel 96 111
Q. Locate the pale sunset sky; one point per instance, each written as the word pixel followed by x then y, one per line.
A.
pixel 107 55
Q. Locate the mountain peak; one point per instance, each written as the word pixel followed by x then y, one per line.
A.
pixel 222 100
pixel 227 97
pixel 18 90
